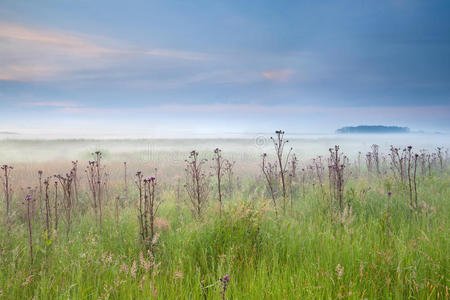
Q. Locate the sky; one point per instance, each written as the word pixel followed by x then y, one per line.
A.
pixel 213 67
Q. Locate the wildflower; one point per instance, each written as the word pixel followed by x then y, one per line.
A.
pixel 178 274
pixel 361 271
pixel 123 268
pixel 141 284
pixel 28 197
pixel 27 280
pixel 225 281
pixel 133 269
pixel 161 223
pixel 339 271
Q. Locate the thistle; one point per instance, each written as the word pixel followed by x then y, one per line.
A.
pixel 225 280
pixel 28 203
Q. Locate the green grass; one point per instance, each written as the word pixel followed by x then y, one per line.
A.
pixel 307 254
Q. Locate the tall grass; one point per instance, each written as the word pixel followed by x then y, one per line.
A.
pixel 370 245
pixel 306 254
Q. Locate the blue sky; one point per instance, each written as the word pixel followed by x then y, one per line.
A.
pixel 223 66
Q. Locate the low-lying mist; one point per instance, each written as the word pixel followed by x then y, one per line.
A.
pixel 168 155
pixel 248 146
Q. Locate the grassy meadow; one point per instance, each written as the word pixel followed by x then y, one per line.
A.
pixel 370 225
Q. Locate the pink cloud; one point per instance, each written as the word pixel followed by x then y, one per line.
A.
pixel 278 75
pixel 89 110
pixel 32 53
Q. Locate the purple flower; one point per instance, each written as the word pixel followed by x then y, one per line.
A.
pixel 225 281
pixel 389 193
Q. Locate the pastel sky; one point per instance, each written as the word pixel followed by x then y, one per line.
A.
pixel 223 66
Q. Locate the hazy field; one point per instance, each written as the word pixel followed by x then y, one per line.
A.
pixel 41 149
pixel 386 237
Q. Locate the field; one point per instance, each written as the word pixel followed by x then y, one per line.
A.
pixel 360 221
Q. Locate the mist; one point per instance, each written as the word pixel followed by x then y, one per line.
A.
pixel 47 147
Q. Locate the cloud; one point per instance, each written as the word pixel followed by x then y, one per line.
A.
pixel 351 113
pixel 278 75
pixel 380 112
pixel 37 54
pixel 90 110
pixel 67 42
pixel 58 104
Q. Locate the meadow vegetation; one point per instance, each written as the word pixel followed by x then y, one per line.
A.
pixel 372 226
